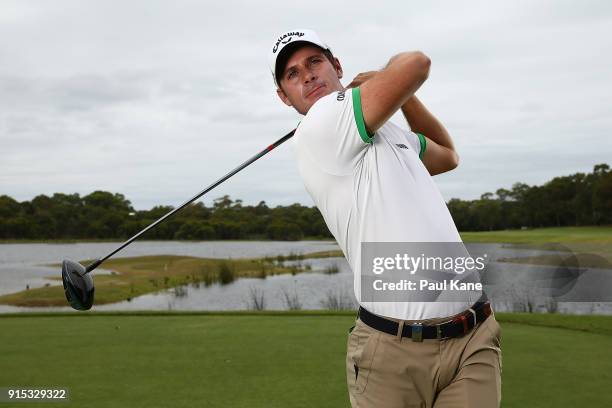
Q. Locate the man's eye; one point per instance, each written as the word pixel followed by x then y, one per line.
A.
pixel 291 74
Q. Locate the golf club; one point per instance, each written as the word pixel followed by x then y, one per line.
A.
pixel 79 285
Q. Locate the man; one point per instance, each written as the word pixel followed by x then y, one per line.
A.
pixel 372 182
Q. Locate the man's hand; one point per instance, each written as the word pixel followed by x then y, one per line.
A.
pixel 384 92
pixel 361 78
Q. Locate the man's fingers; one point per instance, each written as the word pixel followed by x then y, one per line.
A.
pixel 358 80
pixel 361 78
pixel 353 84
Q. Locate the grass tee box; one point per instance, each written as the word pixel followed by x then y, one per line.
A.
pixel 271 359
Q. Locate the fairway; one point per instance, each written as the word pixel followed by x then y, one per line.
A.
pixel 566 235
pixel 271 359
pixel 582 241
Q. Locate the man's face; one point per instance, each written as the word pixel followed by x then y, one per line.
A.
pixel 308 76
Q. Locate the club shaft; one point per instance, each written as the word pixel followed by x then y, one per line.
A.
pixel 262 153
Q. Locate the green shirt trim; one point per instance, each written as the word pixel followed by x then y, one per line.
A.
pixel 367 138
pixel 423 145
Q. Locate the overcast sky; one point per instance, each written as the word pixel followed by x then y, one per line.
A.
pixel 157 99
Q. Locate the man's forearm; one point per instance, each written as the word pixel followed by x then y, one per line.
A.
pixel 422 121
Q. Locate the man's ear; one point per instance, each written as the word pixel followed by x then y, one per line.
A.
pixel 281 94
pixel 338 67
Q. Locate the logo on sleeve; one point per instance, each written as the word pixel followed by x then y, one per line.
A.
pixel 340 96
pixel 401 146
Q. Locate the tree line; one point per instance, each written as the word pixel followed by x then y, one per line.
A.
pixel 578 199
pixel 575 200
pixel 104 215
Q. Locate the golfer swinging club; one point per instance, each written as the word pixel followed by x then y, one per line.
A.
pixel 372 182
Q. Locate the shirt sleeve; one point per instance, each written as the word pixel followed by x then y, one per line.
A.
pixel 333 134
pixel 418 143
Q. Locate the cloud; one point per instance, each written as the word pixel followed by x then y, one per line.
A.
pixel 155 100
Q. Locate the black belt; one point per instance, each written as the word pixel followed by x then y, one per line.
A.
pixel 457 326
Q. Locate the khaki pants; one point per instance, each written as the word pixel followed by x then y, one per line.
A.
pixel 385 371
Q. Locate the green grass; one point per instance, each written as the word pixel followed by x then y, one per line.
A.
pixel 592 245
pixel 279 359
pixel 565 235
pixel 595 324
pixel 551 367
pixel 179 361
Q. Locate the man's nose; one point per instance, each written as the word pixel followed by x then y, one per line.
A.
pixel 309 76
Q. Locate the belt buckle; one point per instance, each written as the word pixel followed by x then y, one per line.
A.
pixel 417 331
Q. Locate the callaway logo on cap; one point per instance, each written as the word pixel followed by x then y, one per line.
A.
pixel 290 37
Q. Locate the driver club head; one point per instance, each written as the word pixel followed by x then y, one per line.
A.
pixel 78 285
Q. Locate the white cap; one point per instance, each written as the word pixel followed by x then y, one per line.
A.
pixel 289 37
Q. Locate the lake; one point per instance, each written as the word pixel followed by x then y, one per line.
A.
pixel 28 264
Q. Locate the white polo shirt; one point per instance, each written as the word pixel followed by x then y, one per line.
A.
pixel 373 189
